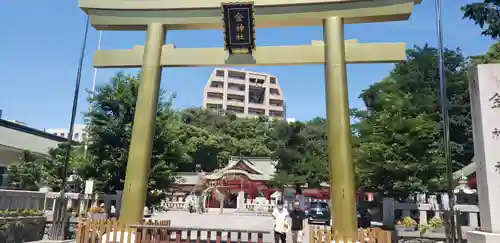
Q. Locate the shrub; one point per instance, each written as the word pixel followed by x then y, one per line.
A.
pixel 17 226
pixel 409 222
pixel 19 213
pixel 436 222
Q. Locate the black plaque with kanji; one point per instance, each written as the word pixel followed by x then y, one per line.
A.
pixel 239 27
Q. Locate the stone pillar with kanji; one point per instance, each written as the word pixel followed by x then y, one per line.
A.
pixel 484 87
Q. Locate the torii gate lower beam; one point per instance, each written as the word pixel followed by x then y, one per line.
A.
pixel 263 56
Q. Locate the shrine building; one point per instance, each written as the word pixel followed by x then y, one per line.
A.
pixel 252 175
pixel 248 174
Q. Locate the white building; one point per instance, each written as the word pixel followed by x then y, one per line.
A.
pixel 15 138
pixel 18 122
pixel 79 132
pixel 244 93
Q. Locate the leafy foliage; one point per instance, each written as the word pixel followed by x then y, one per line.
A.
pixel 492 56
pixel 300 152
pixel 486 15
pixel 19 226
pixel 110 129
pixel 26 173
pixel 33 171
pixel 398 146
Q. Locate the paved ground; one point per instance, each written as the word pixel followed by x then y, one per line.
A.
pixel 229 220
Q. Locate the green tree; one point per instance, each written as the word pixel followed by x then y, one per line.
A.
pixel 300 151
pixel 398 141
pixel 52 167
pixel 210 138
pixel 486 15
pixel 110 128
pixel 33 171
pixel 26 172
pixel 492 56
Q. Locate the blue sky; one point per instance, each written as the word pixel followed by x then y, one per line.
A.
pixel 40 46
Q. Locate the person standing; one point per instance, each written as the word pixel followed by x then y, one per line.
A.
pixel 297 215
pixel 280 216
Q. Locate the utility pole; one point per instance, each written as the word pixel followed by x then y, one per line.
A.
pixel 60 217
pixel 446 123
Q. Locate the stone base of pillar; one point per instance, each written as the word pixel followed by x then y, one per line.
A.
pixel 482 237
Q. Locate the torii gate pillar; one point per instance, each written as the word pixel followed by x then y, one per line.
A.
pixel 141 145
pixel 342 188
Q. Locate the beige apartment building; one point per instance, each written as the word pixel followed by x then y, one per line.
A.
pixel 244 93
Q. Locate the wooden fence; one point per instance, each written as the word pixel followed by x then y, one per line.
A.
pixel 155 231
pixel 110 230
pixel 371 235
pixel 166 234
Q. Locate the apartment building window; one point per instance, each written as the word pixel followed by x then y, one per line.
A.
pixel 215 96
pixel 3 172
pixel 76 136
pixel 214 107
pixel 62 134
pixel 55 133
pixel 276 102
pixel 84 136
pixel 219 73
pixel 272 80
pixel 236 75
pixel 273 113
pixel 235 109
pixel 259 112
pixel 274 91
pixel 257 80
pixel 238 98
pixel 215 84
pixel 256 95
pixel 236 87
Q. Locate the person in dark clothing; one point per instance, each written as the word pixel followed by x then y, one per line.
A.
pixel 297 215
pixel 279 237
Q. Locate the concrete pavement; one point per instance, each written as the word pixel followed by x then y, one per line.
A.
pixel 228 221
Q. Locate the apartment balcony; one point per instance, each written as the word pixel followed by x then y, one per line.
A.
pixel 214 101
pixel 276 108
pixel 275 113
pixel 217 78
pixel 274 86
pixel 236 80
pixel 256 112
pixel 257 106
pixel 236 92
pixel 214 90
pixel 275 96
pixel 236 103
pixel 236 109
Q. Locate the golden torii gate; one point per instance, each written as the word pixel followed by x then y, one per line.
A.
pixel 158 16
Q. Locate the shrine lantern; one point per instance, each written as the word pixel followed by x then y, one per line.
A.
pixel 369 197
